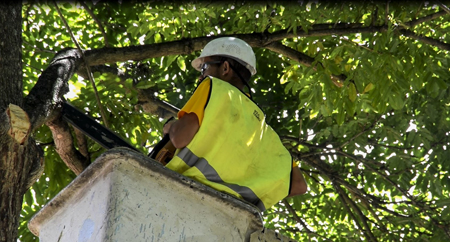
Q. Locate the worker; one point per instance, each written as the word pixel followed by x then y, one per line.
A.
pixel 221 136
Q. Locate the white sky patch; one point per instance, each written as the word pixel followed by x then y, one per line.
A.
pixel 412 126
pixel 73 92
pixel 310 134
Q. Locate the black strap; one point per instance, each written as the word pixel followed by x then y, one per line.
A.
pixel 243 81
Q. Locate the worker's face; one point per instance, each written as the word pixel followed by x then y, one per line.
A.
pixel 210 67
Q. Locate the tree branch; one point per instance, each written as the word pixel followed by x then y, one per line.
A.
pixel 259 40
pixel 422 206
pixel 360 133
pixel 51 86
pixel 299 220
pixel 64 145
pixel 82 143
pixel 358 211
pixel 327 171
pixel 424 39
pixel 430 17
pixel 344 203
pixel 446 9
pixel 302 59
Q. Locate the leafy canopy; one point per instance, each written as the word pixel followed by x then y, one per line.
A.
pixel 358 92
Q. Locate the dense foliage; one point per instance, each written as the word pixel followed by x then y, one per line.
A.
pixel 358 91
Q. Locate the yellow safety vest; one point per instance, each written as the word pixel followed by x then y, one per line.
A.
pixel 235 151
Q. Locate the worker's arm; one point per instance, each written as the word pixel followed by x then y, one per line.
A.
pixel 183 130
pixel 298 183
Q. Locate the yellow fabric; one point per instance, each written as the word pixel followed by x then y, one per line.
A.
pixel 235 141
pixel 196 104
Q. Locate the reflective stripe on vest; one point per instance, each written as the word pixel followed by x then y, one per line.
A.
pixel 211 175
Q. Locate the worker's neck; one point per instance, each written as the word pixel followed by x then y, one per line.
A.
pixel 237 83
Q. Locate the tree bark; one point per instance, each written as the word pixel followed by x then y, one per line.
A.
pixel 20 158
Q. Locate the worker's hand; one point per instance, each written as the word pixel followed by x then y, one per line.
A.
pixel 167 125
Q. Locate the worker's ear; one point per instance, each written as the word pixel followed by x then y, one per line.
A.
pixel 226 68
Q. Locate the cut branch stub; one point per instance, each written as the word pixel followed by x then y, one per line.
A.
pixel 19 123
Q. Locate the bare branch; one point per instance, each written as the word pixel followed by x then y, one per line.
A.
pixel 424 39
pixel 423 206
pixel 446 9
pixel 345 205
pixel 302 59
pixel 64 145
pixel 360 133
pixel 82 143
pixel 299 220
pixel 345 199
pixel 427 18
pixel 39 49
pixel 296 217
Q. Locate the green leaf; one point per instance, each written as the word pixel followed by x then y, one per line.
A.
pixel 443 202
pixel 181 63
pixel 157 38
pixel 144 84
pixel 396 101
pixel 210 13
pixel 352 92
pixel 340 118
pixel 369 88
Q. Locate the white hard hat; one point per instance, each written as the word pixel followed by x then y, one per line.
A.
pixel 231 47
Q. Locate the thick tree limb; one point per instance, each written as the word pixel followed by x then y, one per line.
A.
pixel 64 145
pixel 51 86
pixel 45 96
pixel 261 40
pixel 320 30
